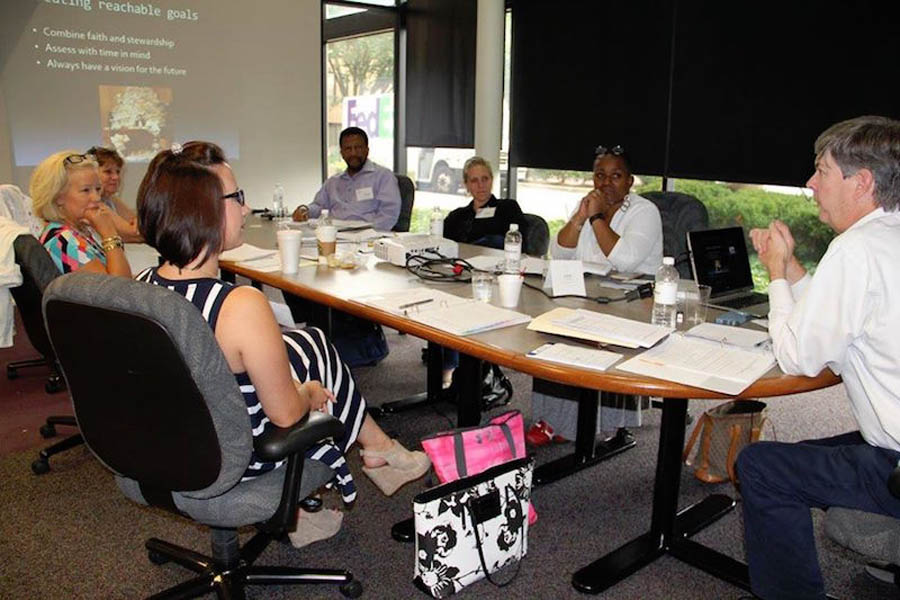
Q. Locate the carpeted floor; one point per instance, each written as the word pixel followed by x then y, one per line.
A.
pixel 71 534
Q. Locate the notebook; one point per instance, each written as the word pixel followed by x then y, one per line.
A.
pixel 719 258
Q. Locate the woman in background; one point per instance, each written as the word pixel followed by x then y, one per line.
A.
pixel 80 232
pixel 110 165
pixel 485 220
pixel 190 209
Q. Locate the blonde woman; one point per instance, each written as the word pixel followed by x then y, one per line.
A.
pixel 80 232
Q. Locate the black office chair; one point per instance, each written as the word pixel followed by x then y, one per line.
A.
pixel 876 537
pixel 680 213
pixel 535 235
pixel 167 417
pixel 407 198
pixel 38 271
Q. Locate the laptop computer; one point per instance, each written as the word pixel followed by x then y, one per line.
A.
pixel 719 259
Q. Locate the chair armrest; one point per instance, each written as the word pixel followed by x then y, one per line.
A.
pixel 278 442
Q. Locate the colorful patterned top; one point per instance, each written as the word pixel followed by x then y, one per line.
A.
pixel 69 248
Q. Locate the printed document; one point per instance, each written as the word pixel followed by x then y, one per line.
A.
pixel 454 314
pixel 246 252
pixel 577 356
pixel 742 337
pixel 599 327
pixel 701 363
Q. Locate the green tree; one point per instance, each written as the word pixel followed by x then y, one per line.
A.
pixel 363 65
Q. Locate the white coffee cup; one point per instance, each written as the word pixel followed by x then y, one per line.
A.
pixel 510 287
pixel 289 248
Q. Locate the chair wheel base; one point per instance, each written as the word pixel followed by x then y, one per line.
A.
pixel 351 589
pixel 40 466
pixel 47 431
pixel 54 385
pixel 157 558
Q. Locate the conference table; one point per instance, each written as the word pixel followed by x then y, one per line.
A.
pixel 670 529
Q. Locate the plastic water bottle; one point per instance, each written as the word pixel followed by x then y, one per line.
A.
pixel 436 227
pixel 278 201
pixel 665 294
pixel 512 248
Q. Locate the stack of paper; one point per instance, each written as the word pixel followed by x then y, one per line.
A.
pixel 456 315
pixel 702 363
pixel 599 327
pixel 361 235
pixel 246 252
pixel 577 356
pixel 728 334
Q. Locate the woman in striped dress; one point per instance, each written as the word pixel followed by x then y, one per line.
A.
pixel 190 209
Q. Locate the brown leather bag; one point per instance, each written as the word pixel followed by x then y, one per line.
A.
pixel 726 429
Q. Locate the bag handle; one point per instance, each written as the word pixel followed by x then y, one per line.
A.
pixel 693 439
pixel 753 436
pixel 459 449
pixel 487 573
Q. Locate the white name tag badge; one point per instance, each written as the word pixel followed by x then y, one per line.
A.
pixel 364 194
pixel 566 278
pixel 486 213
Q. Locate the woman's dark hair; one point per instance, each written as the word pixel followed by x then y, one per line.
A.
pixel 105 155
pixel 205 153
pixel 180 208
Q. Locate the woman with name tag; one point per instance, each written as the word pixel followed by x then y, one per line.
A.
pixel 485 220
pixel 110 165
pixel 190 209
pixel 80 232
pixel 610 225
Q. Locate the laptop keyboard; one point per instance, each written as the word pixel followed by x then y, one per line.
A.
pixel 742 301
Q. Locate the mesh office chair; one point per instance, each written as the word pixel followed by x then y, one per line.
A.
pixel 38 271
pixel 407 198
pixel 535 235
pixel 875 536
pixel 680 213
pixel 168 418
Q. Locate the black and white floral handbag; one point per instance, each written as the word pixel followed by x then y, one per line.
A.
pixel 472 527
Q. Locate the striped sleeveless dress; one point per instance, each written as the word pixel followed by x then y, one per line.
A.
pixel 311 357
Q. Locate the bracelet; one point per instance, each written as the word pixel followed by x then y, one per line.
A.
pixel 596 216
pixel 111 243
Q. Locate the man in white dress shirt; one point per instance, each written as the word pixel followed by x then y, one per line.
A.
pixel 845 317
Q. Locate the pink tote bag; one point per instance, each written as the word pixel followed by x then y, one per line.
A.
pixel 468 451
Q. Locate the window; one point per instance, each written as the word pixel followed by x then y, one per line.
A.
pixel 751 206
pixel 359 80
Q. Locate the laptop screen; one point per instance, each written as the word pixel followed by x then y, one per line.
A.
pixel 720 260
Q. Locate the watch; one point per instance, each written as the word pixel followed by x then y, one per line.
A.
pixel 596 216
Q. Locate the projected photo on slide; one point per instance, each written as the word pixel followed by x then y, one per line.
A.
pixel 136 120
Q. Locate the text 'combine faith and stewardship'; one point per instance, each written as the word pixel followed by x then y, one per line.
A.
pixel 66 54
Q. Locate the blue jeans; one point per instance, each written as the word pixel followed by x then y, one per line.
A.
pixel 780 482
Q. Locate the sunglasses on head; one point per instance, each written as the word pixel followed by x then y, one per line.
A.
pixel 75 159
pixel 237 195
pixel 616 150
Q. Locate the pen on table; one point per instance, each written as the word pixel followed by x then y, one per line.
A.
pixel 417 303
